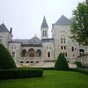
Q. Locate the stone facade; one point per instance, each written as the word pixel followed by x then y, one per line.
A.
pixel 35 52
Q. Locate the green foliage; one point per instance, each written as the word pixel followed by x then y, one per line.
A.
pixel 20 73
pixel 79 65
pixel 6 61
pixel 61 63
pixel 84 71
pixel 79 24
pixel 51 79
pixel 45 68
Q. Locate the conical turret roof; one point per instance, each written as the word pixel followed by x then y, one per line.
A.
pixel 44 23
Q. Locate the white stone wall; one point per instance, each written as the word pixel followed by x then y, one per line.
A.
pixel 48 47
pixel 5 37
pixel 58 31
pixel 16 48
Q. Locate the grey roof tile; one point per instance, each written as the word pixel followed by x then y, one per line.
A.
pixel 35 41
pixel 44 23
pixel 3 28
pixel 63 21
pixel 48 40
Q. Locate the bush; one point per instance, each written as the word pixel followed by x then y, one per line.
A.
pixel 79 65
pixel 6 61
pixel 61 63
pixel 20 73
pixel 79 70
pixel 44 68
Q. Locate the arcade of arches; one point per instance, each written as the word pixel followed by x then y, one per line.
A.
pixel 31 53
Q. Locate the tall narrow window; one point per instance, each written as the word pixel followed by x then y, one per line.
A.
pixel 61 47
pixel 64 47
pixel 13 54
pixel 72 48
pixel 64 40
pixel 48 54
pixel 61 40
pixel 43 33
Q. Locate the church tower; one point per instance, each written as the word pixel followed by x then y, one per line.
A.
pixel 44 29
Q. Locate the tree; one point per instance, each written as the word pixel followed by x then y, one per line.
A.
pixel 61 63
pixel 79 23
pixel 6 61
pixel 79 64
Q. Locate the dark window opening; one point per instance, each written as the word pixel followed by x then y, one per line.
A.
pixel 48 54
pixel 72 48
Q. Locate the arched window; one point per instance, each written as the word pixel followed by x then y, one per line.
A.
pixel 24 53
pixel 13 46
pixel 13 54
pixel 81 52
pixel 31 52
pixel 48 54
pixel 38 53
pixel 63 39
pixel 43 33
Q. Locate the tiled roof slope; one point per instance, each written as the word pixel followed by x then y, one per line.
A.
pixel 3 28
pixel 44 23
pixel 63 21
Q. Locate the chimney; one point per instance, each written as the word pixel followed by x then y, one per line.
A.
pixel 11 30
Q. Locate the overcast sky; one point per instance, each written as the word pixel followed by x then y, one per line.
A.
pixel 25 16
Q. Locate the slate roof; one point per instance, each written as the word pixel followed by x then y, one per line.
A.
pixel 44 23
pixel 48 40
pixel 34 42
pixel 3 28
pixel 63 21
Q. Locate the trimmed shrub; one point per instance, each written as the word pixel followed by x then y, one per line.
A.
pixel 79 70
pixel 79 65
pixel 20 73
pixel 6 61
pixel 61 63
pixel 45 68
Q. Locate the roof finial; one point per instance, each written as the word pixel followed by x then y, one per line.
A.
pixel 35 35
pixel 3 21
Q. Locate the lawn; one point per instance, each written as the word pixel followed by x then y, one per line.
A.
pixel 50 79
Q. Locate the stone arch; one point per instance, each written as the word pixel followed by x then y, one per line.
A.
pixel 13 54
pixel 49 54
pixel 62 36
pixel 38 53
pixel 24 53
pixel 31 52
pixel 82 51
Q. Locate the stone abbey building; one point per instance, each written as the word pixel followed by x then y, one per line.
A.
pixel 37 52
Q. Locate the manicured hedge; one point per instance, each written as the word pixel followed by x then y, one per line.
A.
pixel 47 68
pixel 61 63
pixel 80 71
pixel 79 64
pixel 20 73
pixel 6 61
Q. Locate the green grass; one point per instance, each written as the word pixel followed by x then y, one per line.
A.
pixel 50 79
